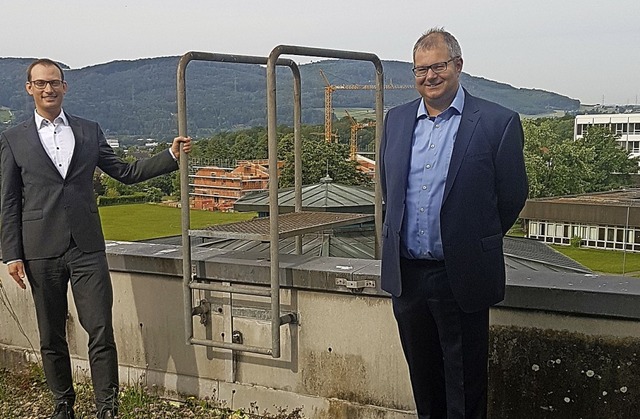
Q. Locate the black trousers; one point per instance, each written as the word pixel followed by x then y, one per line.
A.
pixel 88 274
pixel 446 349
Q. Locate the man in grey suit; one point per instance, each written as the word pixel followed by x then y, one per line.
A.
pixel 453 180
pixel 52 235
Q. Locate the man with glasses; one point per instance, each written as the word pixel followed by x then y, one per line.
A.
pixel 51 233
pixel 453 182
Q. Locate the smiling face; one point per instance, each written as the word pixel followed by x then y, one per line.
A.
pixel 48 100
pixel 437 89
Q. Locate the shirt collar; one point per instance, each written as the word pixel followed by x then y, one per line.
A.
pixel 457 104
pixel 60 119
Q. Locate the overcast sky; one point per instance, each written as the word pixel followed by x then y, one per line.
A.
pixel 586 49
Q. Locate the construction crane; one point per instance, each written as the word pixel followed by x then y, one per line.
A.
pixel 355 127
pixel 328 98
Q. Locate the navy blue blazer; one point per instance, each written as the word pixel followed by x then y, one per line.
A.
pixel 485 190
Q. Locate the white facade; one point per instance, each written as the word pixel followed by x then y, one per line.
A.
pixel 627 126
pixel 593 236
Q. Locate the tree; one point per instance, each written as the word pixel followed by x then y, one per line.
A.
pixel 558 165
pixel 610 164
pixel 114 187
pixel 319 159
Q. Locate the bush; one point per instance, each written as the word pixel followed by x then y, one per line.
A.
pixel 576 241
pixel 137 198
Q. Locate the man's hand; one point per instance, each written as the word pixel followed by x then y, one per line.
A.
pixel 16 270
pixel 186 145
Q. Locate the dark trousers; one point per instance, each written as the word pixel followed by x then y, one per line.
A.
pixel 88 274
pixel 446 349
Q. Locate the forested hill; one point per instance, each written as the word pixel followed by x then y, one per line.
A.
pixel 139 97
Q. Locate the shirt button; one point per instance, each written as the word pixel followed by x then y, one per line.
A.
pixel 432 145
pixel 428 166
pixel 421 209
pixel 437 125
pixel 422 232
pixel 424 187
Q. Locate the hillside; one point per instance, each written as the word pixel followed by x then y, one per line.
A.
pixel 138 98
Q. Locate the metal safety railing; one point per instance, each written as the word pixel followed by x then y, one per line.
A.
pixel 274 57
pixel 294 224
pixel 188 276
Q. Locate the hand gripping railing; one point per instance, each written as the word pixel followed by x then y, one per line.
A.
pixel 188 284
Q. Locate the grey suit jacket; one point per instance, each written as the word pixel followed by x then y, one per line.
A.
pixel 41 210
pixel 485 189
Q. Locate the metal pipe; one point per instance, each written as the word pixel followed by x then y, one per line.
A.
pixel 272 137
pixel 236 289
pixel 349 55
pixel 297 147
pixel 184 195
pixel 272 133
pixel 184 185
pixel 232 346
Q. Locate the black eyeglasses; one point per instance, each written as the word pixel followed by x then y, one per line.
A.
pixel 41 84
pixel 436 68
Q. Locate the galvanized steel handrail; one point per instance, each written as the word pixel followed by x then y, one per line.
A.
pixel 274 56
pixel 276 320
pixel 272 133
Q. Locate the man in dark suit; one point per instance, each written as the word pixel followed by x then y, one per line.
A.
pixel 51 230
pixel 453 181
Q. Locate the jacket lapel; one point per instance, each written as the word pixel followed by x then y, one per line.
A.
pixel 78 135
pixel 34 143
pixel 468 122
pixel 406 142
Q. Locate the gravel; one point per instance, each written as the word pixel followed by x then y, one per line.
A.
pixel 24 395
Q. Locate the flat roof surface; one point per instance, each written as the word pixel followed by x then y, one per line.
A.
pixel 621 197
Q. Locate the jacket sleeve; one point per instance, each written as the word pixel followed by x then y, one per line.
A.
pixel 511 177
pixel 11 207
pixel 137 171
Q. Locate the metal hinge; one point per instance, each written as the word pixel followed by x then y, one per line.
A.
pixel 356 286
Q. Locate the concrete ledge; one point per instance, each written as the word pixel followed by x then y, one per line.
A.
pixel 562 345
pixel 576 294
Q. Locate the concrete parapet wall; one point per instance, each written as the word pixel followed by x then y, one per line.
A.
pixel 561 346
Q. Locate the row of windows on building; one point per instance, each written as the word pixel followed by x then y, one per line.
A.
pixel 620 128
pixel 604 237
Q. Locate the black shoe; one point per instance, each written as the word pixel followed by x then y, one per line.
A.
pixel 63 411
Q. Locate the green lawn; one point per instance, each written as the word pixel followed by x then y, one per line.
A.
pixel 146 221
pixel 605 261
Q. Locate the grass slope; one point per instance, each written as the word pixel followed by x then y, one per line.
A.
pixel 146 221
pixel 605 261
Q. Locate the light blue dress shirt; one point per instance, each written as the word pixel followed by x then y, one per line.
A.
pixel 432 146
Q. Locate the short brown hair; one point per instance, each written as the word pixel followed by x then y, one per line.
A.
pixel 46 62
pixel 432 37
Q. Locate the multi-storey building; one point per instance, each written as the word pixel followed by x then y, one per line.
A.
pixel 217 188
pixel 627 126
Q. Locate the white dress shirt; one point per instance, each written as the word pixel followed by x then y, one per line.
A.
pixel 57 139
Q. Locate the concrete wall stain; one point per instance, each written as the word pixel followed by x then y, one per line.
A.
pixel 536 373
pixel 341 376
